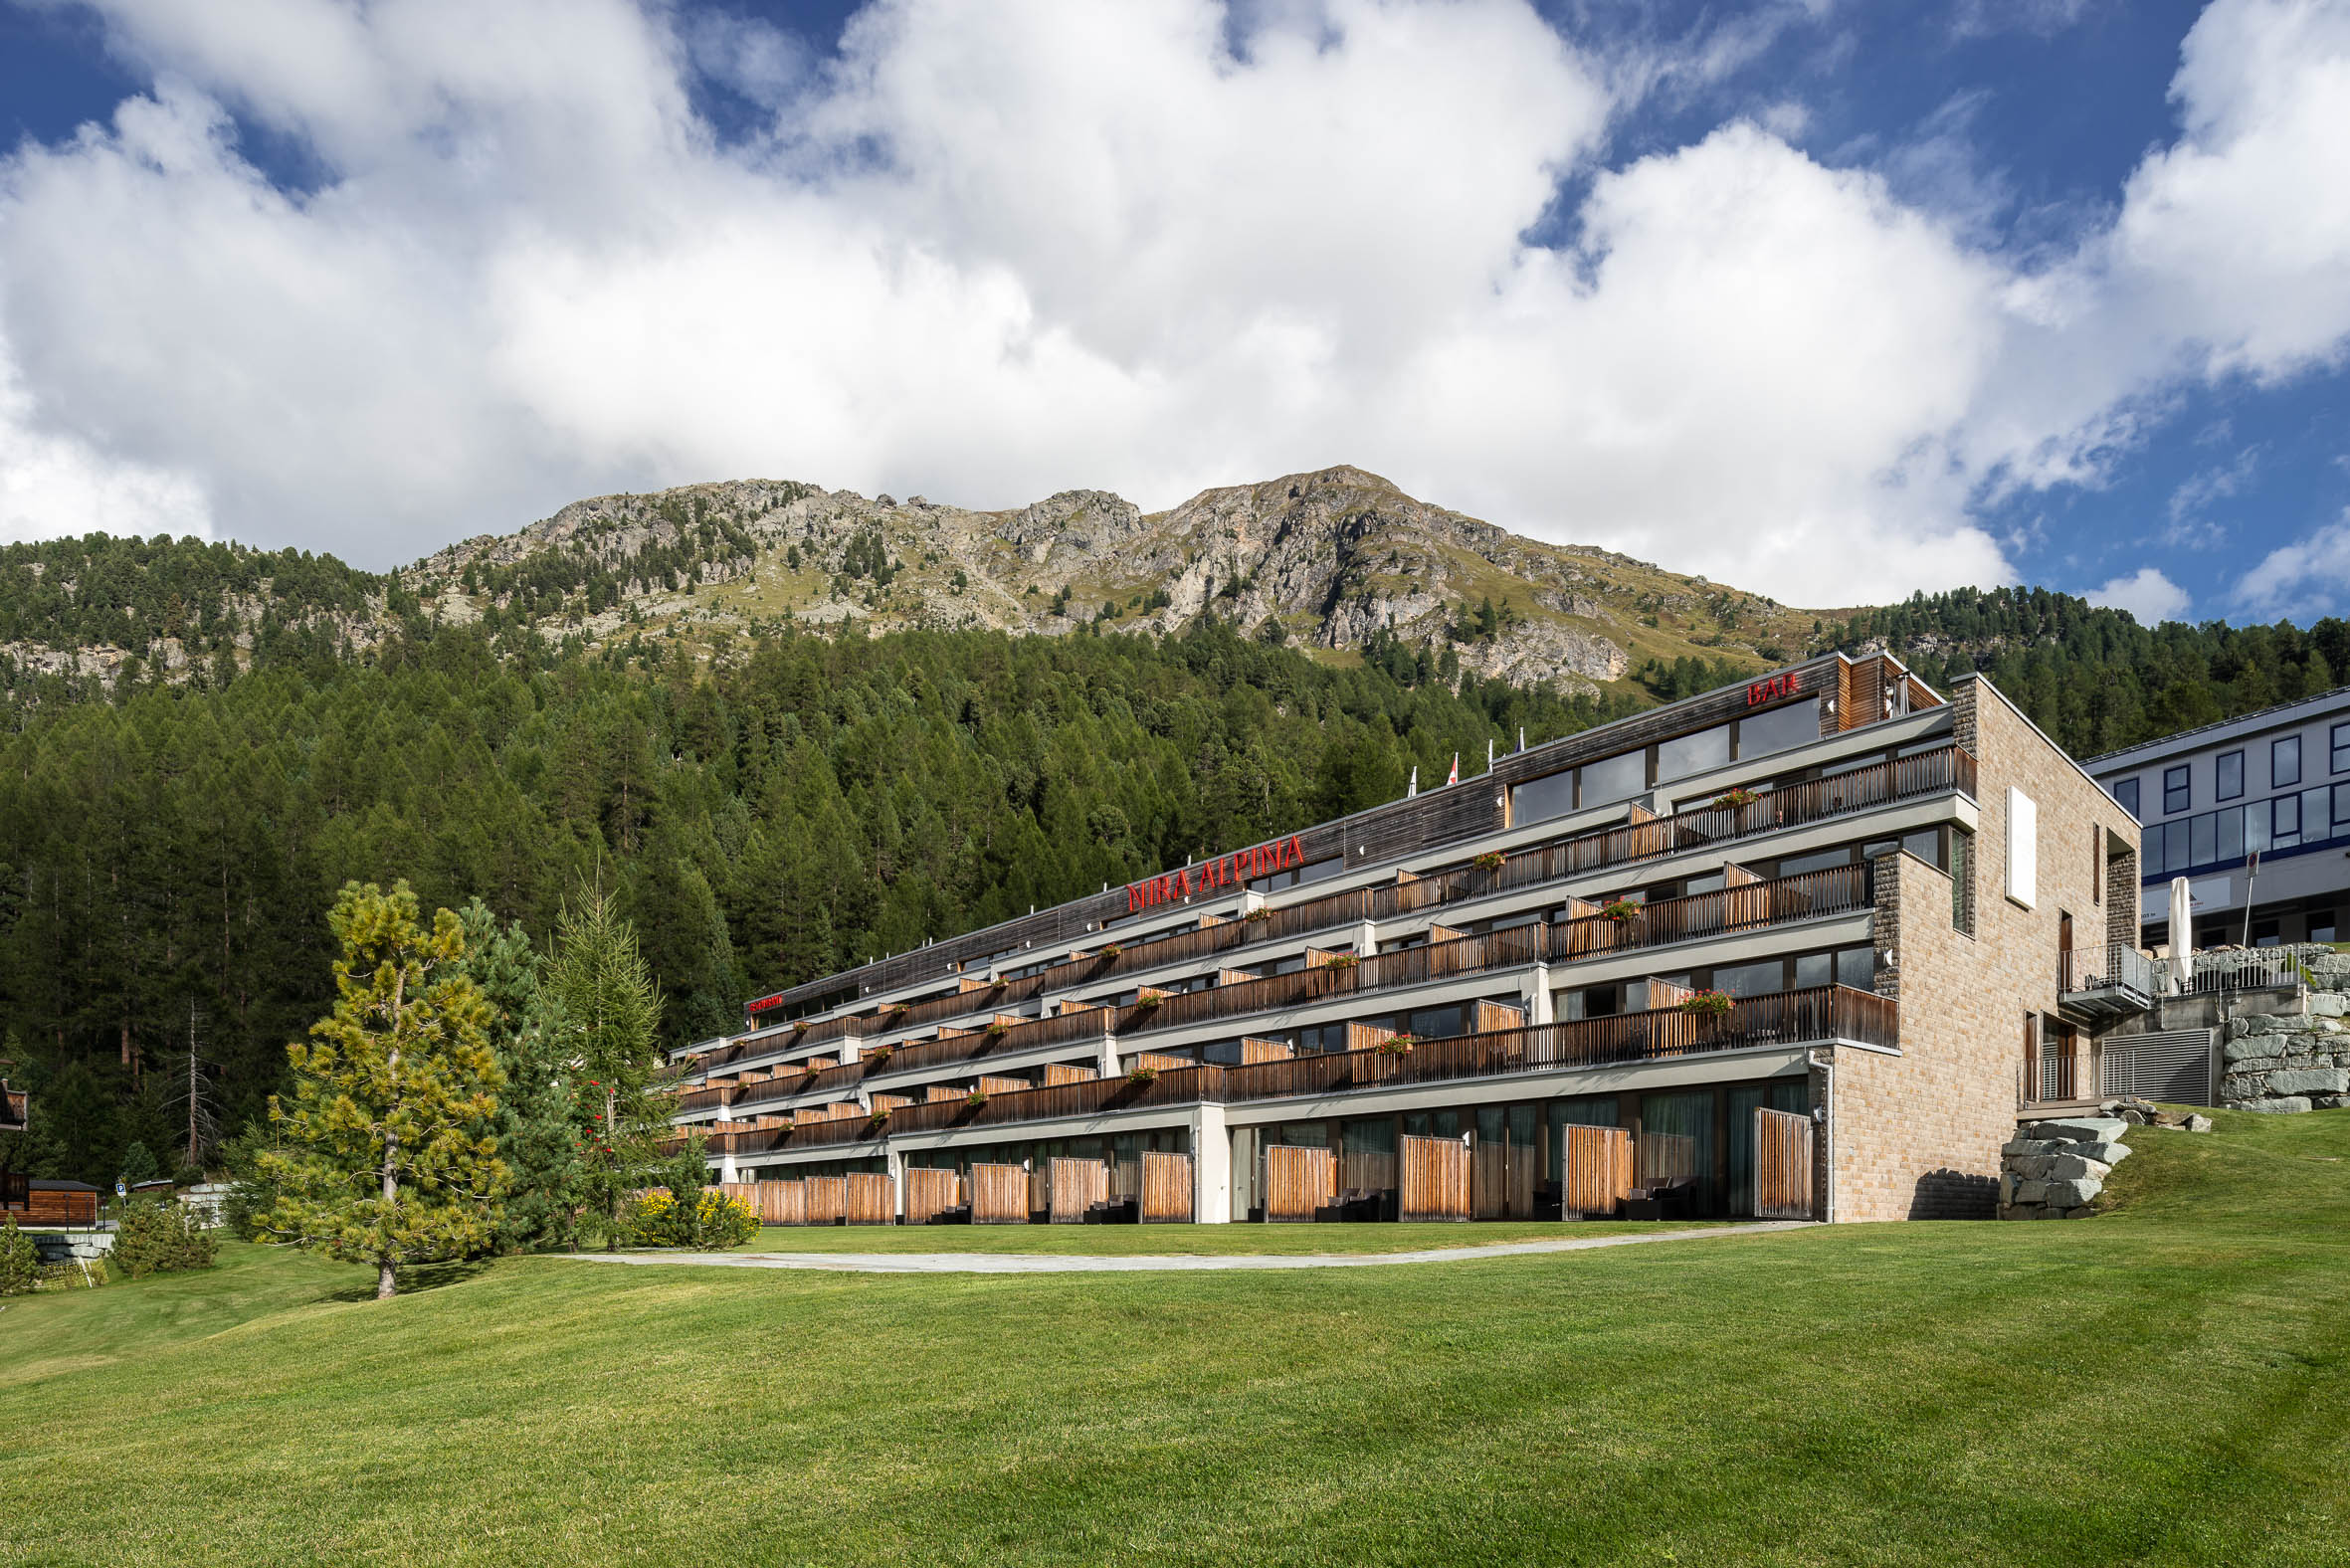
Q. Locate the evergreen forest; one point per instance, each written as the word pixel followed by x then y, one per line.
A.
pixel 169 852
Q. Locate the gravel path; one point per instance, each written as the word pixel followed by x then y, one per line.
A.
pixel 1040 1262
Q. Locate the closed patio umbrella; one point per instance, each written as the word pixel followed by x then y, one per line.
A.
pixel 2182 935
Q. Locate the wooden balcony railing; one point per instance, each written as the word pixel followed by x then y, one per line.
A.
pixel 1788 1017
pixel 1940 772
pixel 1757 906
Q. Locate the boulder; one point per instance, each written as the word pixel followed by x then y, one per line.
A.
pixel 2285 1105
pixel 2198 1123
pixel 2047 1212
pixel 2071 1194
pixel 2309 1081
pixel 2031 1192
pixel 2325 1004
pixel 2105 1153
pixel 2007 1189
pixel 2257 1023
pixel 2267 1064
pixel 2330 1101
pixel 2022 1146
pixel 2084 1212
pixel 2080 1129
pixel 2071 1167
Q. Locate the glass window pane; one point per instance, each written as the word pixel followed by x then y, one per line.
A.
pixel 2341 738
pixel 1676 1139
pixel 2256 827
pixel 2230 770
pixel 1538 799
pixel 2203 840
pixel 1856 968
pixel 1709 748
pixel 1813 969
pixel 2232 834
pixel 2284 761
pixel 1925 844
pixel 1615 778
pixel 2126 795
pixel 2316 813
pixel 2176 795
pixel 1779 729
pixel 2156 863
pixel 2285 821
pixel 1797 865
pixel 1751 979
pixel 2342 807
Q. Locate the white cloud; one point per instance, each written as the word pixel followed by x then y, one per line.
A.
pixel 2309 577
pixel 2146 594
pixel 1000 250
pixel 52 483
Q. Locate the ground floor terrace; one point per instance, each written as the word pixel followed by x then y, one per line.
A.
pixel 1665 1115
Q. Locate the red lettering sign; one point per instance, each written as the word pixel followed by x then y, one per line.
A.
pixel 1258 860
pixel 1761 691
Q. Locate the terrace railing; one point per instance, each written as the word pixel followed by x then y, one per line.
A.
pixel 1788 1018
pixel 1939 771
pixel 1757 906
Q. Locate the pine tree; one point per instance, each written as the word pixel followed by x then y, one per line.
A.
pixel 607 1014
pixel 542 1131
pixel 393 1157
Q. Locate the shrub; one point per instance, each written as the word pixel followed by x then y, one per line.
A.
pixel 712 1220
pixel 1621 912
pixel 879 1056
pixel 1256 916
pixel 1707 1004
pixel 1397 1046
pixel 1112 949
pixel 1342 961
pixel 1148 1004
pixel 1735 797
pixel 996 1029
pixel 976 1097
pixel 160 1237
pixel 1489 863
pixel 878 1118
pixel 20 1260
pixel 1142 1074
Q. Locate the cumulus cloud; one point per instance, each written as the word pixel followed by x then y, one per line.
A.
pixel 2146 594
pixel 997 250
pixel 2309 577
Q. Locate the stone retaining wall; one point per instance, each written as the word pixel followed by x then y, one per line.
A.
pixel 2285 1063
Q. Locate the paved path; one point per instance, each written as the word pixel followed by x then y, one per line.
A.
pixel 1040 1263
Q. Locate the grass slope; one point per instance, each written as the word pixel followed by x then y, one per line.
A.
pixel 2164 1384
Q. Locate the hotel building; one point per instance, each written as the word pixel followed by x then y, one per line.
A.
pixel 1801 947
pixel 2274 785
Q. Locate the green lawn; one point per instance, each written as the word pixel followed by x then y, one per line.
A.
pixel 1122 1241
pixel 2164 1384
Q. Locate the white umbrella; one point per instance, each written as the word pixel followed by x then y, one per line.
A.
pixel 2182 935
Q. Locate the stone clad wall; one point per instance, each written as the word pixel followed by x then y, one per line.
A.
pixel 1918 1135
pixel 2285 1063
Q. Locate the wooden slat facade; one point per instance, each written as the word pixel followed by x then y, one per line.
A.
pixel 1253 1050
pixel 1597 1164
pixel 999 1195
pixel 828 1200
pixel 868 1199
pixel 1433 1179
pixel 1299 1182
pixel 783 1202
pixel 1166 1189
pixel 1492 1015
pixel 1076 1186
pixel 48 1205
pixel 1783 1169
pixel 930 1194
pixel 1064 1073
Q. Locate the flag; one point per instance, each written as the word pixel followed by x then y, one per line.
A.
pixel 1453 777
pixel 1521 738
pixel 1488 753
pixel 1413 788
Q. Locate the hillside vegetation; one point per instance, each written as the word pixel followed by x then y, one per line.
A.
pixel 169 855
pixel 2161 1385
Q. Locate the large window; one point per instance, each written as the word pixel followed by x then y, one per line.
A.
pixel 1616 778
pixel 1676 1139
pixel 2341 738
pixel 1779 729
pixel 2284 821
pixel 1679 758
pixel 2228 768
pixel 1856 968
pixel 2175 794
pixel 1537 800
pixel 1751 979
pixel 2126 795
pixel 2284 761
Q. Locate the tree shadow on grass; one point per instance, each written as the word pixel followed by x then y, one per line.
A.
pixel 419 1276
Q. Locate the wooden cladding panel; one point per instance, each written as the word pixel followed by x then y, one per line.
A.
pixel 892 1102
pixel 942 1092
pixel 1003 1085
pixel 1165 1064
pixel 1736 876
pixel 868 1199
pixel 828 1200
pixel 930 1194
pixel 1492 1015
pixel 1299 1181
pixel 783 1202
pixel 1367 1036
pixel 1077 1185
pixel 1166 1189
pixel 1433 1180
pixel 1253 1050
pixel 1063 1073
pixel 50 1207
pixel 1781 1165
pixel 1597 1167
pixel 999 1195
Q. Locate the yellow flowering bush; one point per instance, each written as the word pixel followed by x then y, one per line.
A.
pixel 713 1221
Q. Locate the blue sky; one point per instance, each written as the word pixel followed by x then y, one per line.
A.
pixel 1831 300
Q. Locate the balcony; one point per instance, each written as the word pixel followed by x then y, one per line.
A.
pixel 2094 985
pixel 1945 770
pixel 1786 1018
